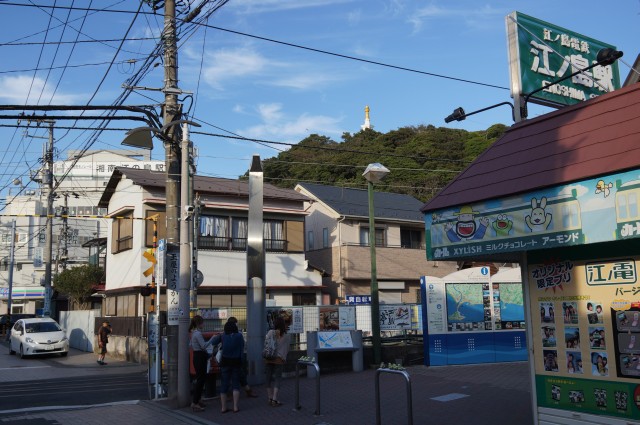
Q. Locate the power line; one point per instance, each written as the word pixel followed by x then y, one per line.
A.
pixel 40 43
pixel 326 52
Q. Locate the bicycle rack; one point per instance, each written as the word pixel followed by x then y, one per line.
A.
pixel 315 365
pixel 409 402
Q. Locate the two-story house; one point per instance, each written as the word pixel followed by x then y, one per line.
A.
pixel 221 227
pixel 337 242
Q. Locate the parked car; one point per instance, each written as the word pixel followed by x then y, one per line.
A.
pixel 36 336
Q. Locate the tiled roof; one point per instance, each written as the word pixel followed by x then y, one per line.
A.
pixel 355 202
pixel 597 137
pixel 201 184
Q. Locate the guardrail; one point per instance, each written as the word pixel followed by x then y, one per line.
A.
pixel 409 398
pixel 317 368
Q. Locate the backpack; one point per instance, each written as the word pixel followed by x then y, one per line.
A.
pixel 270 351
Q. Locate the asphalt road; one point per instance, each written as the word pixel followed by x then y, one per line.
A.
pixel 73 391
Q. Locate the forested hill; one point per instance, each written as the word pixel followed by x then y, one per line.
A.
pixel 421 159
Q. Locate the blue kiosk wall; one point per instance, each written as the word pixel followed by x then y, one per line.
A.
pixel 470 317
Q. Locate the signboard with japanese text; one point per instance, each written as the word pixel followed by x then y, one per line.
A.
pixel 586 335
pixel 600 209
pixel 358 299
pixel 173 277
pixel 541 53
pixel 102 169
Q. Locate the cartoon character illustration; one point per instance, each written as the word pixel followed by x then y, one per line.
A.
pixel 466 227
pixel 602 187
pixel 502 225
pixel 539 219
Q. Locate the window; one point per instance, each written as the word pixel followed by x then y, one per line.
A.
pixel 122 233
pixel 303 299
pixel 310 240
pixel 410 238
pixel 364 237
pixel 214 232
pixel 325 238
pixel 274 235
pixel 239 232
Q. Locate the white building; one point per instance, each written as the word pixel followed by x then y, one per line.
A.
pixel 76 240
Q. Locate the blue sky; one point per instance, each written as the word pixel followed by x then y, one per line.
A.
pixel 272 91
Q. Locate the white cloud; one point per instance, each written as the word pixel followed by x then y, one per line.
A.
pixel 270 111
pixel 227 64
pixel 277 125
pixel 14 89
pixel 476 18
pixel 304 80
pixel 270 6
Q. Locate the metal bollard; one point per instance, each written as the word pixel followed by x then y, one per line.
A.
pixel 315 365
pixel 409 399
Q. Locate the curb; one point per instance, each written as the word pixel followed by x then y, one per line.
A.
pixel 178 414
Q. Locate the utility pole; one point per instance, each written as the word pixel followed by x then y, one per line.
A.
pixel 171 112
pixel 48 250
pixel 184 382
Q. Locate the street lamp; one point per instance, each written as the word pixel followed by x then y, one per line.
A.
pixel 459 114
pixel 374 173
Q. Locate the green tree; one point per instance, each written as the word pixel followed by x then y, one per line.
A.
pixel 78 284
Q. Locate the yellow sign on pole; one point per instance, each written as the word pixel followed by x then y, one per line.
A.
pixel 150 258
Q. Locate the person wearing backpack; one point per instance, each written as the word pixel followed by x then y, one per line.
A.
pixel 275 366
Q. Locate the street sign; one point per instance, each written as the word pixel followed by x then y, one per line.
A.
pixel 160 254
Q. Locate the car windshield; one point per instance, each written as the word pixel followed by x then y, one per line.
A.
pixel 42 327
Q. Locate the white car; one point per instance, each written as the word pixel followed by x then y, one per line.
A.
pixel 36 336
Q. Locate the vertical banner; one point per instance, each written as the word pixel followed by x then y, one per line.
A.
pixel 173 310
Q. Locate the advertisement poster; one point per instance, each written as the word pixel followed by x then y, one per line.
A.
pixel 291 315
pixel 347 318
pixel 587 335
pixel 395 317
pixel 600 209
pixel 329 318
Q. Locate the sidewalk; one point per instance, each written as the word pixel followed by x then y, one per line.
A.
pixel 461 395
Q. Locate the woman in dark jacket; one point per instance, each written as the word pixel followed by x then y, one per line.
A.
pixel 232 353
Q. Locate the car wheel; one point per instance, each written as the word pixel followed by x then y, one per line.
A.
pixel 64 354
pixel 21 353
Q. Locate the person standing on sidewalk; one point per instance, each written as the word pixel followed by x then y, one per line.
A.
pixel 200 358
pixel 275 367
pixel 243 370
pixel 232 356
pixel 103 340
